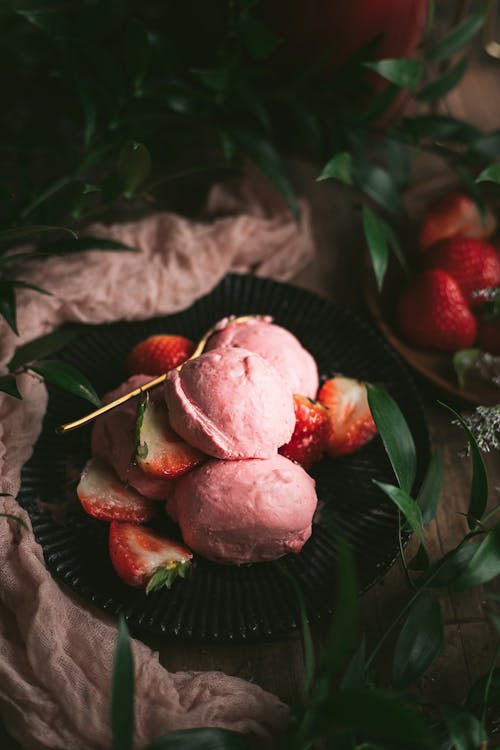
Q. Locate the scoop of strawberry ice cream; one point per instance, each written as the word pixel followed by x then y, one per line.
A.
pixel 230 403
pixel 245 511
pixel 276 345
pixel 113 438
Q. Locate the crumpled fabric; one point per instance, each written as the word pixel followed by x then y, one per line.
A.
pixel 56 652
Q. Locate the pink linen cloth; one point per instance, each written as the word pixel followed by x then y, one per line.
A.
pixel 56 652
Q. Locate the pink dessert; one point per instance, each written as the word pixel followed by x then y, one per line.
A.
pixel 113 439
pixel 231 404
pixel 245 511
pixel 276 345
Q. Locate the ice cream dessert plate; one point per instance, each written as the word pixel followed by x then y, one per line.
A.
pixel 227 602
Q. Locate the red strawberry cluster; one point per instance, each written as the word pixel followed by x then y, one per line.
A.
pixel 442 307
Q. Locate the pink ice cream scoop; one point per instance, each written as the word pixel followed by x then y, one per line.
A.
pixel 113 439
pixel 245 511
pixel 230 403
pixel 276 345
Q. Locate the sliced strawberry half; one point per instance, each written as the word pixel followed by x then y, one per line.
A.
pixel 307 444
pixel 350 423
pixel 160 451
pixel 103 496
pixel 144 558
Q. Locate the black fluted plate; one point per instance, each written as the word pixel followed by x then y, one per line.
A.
pixel 227 603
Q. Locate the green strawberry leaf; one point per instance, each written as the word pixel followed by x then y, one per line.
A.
pixel 164 577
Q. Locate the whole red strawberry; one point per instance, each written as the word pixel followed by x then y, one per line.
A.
pixel 488 335
pixel 350 422
pixel 474 264
pixel 453 215
pixel 433 312
pixel 158 354
pixel 307 444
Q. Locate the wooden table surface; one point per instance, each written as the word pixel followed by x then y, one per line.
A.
pixel 277 665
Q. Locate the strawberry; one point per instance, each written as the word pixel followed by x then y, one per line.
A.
pixel 158 354
pixel 144 558
pixel 474 264
pixel 160 451
pixel 307 444
pixel 350 423
pixel 488 335
pixel 432 311
pixel 454 215
pixel 103 496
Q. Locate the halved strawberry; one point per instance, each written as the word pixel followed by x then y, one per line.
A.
pixel 103 496
pixel 142 557
pixel 160 450
pixel 307 444
pixel 158 354
pixel 350 423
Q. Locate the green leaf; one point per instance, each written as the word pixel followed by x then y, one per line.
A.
pixel 305 630
pixel 355 675
pixel 478 498
pixel 67 377
pixel 421 559
pixel 446 571
pixel 164 577
pixel 463 361
pixel 428 496
pixel 43 346
pixel 263 153
pixel 484 565
pixel 406 505
pixel 137 53
pixel 438 128
pixel 8 236
pixel 377 244
pixel 122 691
pixel 459 36
pixel 133 167
pixel 344 621
pixel 465 730
pixel 378 184
pixel 490 174
pixel 338 168
pixel 486 147
pixel 8 385
pixel 395 434
pixel 258 39
pixel 83 244
pixel 442 85
pixel 8 305
pixel 200 739
pixel 477 695
pixel 378 714
pixel 419 642
pixel 402 72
